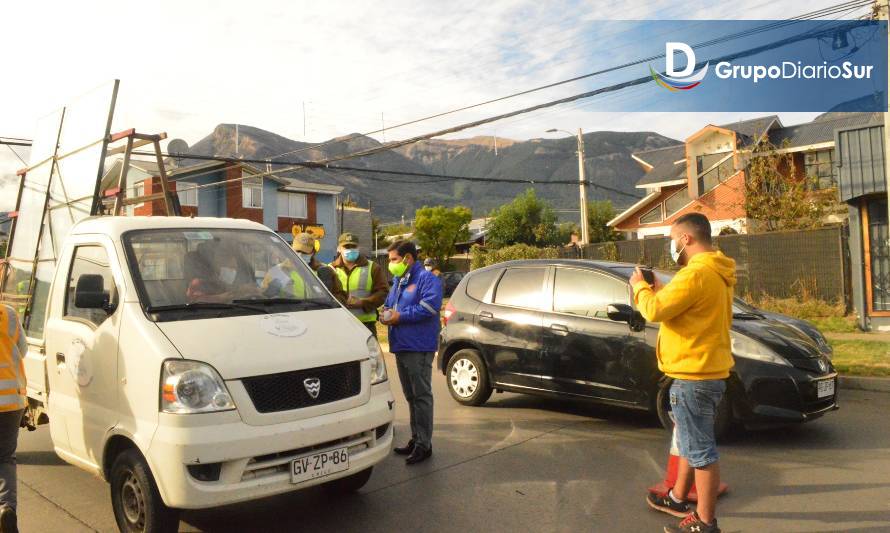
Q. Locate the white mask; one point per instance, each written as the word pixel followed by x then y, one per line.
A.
pixel 428 269
pixel 675 254
pixel 227 275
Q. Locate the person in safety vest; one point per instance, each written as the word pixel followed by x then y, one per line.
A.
pixel 305 245
pixel 12 404
pixel 364 281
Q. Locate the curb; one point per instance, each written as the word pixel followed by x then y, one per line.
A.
pixel 864 383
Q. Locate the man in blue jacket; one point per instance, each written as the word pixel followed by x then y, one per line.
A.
pixel 412 313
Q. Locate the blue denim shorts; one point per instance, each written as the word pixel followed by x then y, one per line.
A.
pixel 694 406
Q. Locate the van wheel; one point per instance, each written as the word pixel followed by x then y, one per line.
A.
pixel 137 504
pixel 351 483
pixel 468 378
pixel 723 423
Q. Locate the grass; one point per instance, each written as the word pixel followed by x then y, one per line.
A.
pixel 861 358
pixel 835 324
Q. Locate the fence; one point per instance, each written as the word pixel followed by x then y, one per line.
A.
pixel 780 264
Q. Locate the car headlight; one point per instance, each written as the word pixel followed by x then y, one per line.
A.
pixel 743 346
pixel 378 365
pixel 191 387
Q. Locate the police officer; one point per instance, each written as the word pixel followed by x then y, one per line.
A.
pixel 306 246
pixel 364 281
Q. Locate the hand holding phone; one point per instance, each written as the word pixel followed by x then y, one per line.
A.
pixel 648 275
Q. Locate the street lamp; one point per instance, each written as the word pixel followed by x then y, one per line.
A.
pixel 585 229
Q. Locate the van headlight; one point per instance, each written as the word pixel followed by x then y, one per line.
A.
pixel 378 365
pixel 743 346
pixel 191 387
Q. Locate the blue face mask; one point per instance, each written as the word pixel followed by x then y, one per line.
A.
pixel 351 255
pixel 307 258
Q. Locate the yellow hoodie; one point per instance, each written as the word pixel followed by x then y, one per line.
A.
pixel 695 311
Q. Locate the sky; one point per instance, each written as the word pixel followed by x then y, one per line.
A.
pixel 314 70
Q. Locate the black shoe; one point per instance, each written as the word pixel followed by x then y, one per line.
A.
pixel 419 455
pixel 693 524
pixel 667 505
pixel 8 521
pixel 406 449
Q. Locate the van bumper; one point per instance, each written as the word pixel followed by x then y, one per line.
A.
pixel 255 461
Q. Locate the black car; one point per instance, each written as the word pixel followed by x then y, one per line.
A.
pixel 567 328
pixel 450 281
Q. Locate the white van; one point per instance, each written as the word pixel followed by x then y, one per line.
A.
pixel 198 362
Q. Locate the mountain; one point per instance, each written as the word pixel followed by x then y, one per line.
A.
pixel 607 162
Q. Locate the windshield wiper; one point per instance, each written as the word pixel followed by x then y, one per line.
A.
pixel 312 303
pixel 205 305
pixel 748 316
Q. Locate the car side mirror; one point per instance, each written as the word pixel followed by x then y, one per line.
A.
pixel 90 293
pixel 626 313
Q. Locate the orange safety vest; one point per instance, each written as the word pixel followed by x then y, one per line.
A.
pixel 13 347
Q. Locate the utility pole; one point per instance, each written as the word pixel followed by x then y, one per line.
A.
pixel 884 14
pixel 383 127
pixel 585 229
pixel 304 120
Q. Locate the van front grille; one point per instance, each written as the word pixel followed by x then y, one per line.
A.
pixel 291 390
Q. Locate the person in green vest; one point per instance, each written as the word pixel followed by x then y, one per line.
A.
pixel 306 246
pixel 364 281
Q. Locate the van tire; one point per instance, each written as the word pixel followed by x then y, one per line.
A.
pixel 467 378
pixel 350 484
pixel 137 504
pixel 723 423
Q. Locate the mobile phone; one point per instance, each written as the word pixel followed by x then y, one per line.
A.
pixel 648 275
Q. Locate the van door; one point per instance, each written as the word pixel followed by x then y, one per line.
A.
pixel 81 347
pixel 510 327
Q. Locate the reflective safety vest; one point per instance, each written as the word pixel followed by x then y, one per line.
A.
pixel 13 347
pixel 358 283
pixel 290 283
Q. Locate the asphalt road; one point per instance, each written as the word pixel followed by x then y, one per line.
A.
pixel 528 464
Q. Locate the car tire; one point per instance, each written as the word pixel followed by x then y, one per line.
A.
pixel 350 484
pixel 723 424
pixel 137 504
pixel 468 378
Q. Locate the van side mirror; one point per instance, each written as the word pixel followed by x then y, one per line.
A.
pixel 626 313
pixel 90 293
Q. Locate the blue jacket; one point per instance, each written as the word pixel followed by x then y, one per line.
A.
pixel 417 296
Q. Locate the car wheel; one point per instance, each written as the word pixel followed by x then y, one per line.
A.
pixel 135 499
pixel 723 423
pixel 468 378
pixel 351 483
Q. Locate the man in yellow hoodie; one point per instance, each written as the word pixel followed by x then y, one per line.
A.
pixel 693 348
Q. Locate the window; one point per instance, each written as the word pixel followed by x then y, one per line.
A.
pixel 819 167
pixel 521 287
pixel 188 194
pixel 653 215
pixel 586 293
pixel 91 271
pixel 292 205
pixel 676 202
pixel 478 284
pixel 252 193
pixel 708 177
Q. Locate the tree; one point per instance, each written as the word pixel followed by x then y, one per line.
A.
pixel 438 229
pixel 525 220
pixel 599 213
pixel 779 197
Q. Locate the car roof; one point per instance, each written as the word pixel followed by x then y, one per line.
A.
pixel 613 267
pixel 115 226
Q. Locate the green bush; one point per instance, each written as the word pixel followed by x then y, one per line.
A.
pixel 803 308
pixel 483 257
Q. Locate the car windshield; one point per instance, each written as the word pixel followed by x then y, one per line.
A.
pixel 196 273
pixel 739 307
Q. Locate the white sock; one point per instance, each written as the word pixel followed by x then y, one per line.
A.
pixel 672 497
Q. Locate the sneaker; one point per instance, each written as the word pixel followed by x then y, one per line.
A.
pixel 693 524
pixel 666 504
pixel 406 449
pixel 8 521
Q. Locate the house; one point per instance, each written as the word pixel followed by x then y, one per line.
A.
pixel 478 231
pixel 862 183
pixel 706 173
pixel 219 189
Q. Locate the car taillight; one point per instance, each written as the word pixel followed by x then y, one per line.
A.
pixel 449 310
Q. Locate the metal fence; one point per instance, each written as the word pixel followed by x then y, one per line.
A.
pixel 788 264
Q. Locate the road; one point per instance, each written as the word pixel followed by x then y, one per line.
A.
pixel 528 464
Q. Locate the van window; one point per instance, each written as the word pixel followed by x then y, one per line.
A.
pixel 586 293
pixel 521 287
pixel 478 284
pixel 87 261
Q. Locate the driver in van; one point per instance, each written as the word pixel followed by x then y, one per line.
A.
pixel 209 283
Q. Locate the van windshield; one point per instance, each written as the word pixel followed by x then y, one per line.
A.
pixel 182 274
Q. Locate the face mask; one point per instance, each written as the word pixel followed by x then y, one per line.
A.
pixel 428 269
pixel 398 269
pixel 675 254
pixel 351 255
pixel 227 275
pixel 307 258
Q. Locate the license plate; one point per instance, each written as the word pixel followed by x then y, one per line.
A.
pixel 319 465
pixel 825 388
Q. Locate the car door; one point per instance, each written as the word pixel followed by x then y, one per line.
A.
pixel 82 346
pixel 510 322
pixel 586 353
